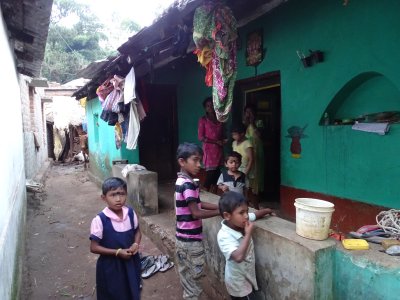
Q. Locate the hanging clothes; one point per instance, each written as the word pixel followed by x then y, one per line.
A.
pixel 129 88
pixel 118 135
pixel 214 28
pixel 140 110
pixel 133 128
pixel 135 117
pixel 104 89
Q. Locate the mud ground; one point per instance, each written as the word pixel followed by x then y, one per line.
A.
pixel 57 262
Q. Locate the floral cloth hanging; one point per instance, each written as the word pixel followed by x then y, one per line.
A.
pixel 214 30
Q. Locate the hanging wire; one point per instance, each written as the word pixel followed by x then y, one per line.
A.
pixel 78 56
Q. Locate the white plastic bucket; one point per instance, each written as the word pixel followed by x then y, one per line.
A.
pixel 313 218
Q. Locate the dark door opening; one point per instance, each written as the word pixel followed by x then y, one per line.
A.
pixel 50 141
pixel 158 131
pixel 264 93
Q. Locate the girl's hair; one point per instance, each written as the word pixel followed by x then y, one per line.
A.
pixel 186 150
pixel 229 202
pixel 238 128
pixel 112 183
pixel 251 107
pixel 208 99
pixel 233 154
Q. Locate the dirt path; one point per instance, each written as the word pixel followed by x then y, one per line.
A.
pixel 58 264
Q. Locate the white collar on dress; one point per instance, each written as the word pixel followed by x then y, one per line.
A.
pixel 112 215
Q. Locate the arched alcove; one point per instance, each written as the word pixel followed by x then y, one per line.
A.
pixel 366 93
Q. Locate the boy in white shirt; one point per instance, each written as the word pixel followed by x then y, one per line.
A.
pixel 236 244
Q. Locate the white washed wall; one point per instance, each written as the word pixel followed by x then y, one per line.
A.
pixel 33 121
pixel 12 173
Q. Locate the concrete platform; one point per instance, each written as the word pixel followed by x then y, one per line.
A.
pixel 288 266
pixel 142 189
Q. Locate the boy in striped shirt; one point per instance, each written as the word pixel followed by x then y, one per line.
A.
pixel 189 214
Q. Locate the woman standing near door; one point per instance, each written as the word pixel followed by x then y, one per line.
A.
pixel 253 134
pixel 211 134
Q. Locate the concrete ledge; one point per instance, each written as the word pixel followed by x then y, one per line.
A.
pixel 288 266
pixel 366 274
pixel 142 189
pixel 161 230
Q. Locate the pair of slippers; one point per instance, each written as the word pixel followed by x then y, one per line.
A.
pixel 152 264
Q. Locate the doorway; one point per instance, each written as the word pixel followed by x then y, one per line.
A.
pixel 158 131
pixel 264 93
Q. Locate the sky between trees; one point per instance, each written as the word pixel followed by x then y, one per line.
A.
pixel 83 31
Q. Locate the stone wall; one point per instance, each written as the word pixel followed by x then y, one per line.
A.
pixel 34 125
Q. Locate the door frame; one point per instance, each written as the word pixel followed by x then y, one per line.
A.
pixel 261 82
pixel 174 139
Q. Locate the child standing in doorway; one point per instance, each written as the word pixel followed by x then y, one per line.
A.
pixel 189 214
pixel 236 244
pixel 245 148
pixel 232 179
pixel 115 235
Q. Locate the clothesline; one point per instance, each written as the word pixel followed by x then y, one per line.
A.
pixel 122 108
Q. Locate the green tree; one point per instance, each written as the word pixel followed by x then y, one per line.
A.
pixel 70 48
pixel 130 25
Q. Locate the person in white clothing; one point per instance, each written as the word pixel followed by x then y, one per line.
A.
pixel 236 244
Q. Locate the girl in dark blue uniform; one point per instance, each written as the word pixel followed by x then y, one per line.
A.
pixel 115 235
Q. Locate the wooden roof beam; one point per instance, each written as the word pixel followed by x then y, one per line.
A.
pixel 20 35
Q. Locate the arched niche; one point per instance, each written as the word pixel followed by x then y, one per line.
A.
pixel 366 93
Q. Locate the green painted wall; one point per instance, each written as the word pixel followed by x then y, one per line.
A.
pixel 358 277
pixel 356 39
pixel 191 94
pixel 360 38
pixel 102 143
pixel 188 76
pixel 324 273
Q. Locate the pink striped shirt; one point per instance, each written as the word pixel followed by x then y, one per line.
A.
pixel 188 228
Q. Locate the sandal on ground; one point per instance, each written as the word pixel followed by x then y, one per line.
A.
pixel 163 259
pixel 168 265
pixel 146 262
pixel 150 271
pixel 165 262
pixel 158 263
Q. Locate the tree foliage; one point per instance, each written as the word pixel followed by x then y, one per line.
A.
pixel 70 48
pixel 73 45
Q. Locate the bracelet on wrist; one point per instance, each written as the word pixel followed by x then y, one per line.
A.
pixel 118 250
